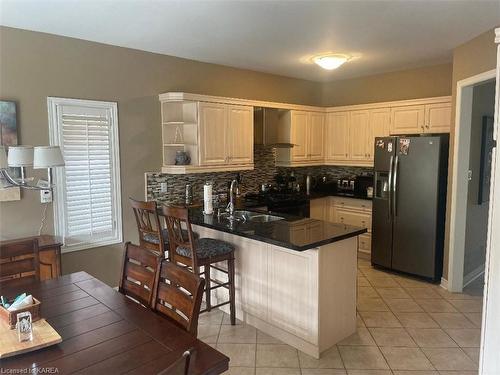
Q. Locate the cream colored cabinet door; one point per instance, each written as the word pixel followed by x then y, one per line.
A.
pixel 239 134
pixel 319 208
pixel 358 219
pixel 359 132
pixel 316 136
pixel 337 136
pixel 213 137
pixel 298 135
pixel 438 118
pixel 408 119
pixel 380 120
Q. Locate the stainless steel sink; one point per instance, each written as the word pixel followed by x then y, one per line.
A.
pixel 265 218
pixel 258 217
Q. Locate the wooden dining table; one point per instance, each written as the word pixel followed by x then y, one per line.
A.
pixel 104 332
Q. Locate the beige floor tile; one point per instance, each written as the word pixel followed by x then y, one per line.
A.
pixel 467 306
pixel 403 305
pixel 240 355
pixel 422 293
pixel 263 338
pixel 458 372
pixel 407 282
pixel 406 358
pixel 329 359
pixel 323 371
pixel 237 334
pixel 361 337
pixel 379 319
pixel 277 355
pixel 475 318
pixel 413 372
pixel 212 317
pixel 449 359
pixel 369 372
pixel 367 291
pixel 363 281
pixel 416 320
pixel 466 338
pixel 431 338
pixel 363 357
pixel 392 337
pixel 277 371
pixel 240 371
pixel 436 305
pixel 371 304
pixel 208 332
pixel 382 282
pixel 473 354
pixel 452 320
pixel 392 293
pixel 450 296
pixel 226 319
pixel 359 321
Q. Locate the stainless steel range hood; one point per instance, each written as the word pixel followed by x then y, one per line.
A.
pixel 268 128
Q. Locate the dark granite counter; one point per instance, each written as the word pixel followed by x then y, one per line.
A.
pixel 292 232
pixel 334 193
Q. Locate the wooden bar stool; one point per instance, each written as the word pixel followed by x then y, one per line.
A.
pixel 203 252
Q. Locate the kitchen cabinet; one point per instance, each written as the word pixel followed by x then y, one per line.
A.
pixel 359 135
pixel 239 142
pixel 380 120
pixel 420 119
pixel 213 133
pixel 299 124
pixel 316 136
pixel 337 136
pixel 319 208
pixel 438 118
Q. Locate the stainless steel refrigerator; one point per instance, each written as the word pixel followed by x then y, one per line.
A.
pixel 409 204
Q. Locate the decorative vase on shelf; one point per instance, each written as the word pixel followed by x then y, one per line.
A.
pixel 182 158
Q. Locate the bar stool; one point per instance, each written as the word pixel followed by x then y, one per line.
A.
pixel 204 252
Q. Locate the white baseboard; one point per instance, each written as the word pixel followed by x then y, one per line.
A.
pixel 444 283
pixel 473 275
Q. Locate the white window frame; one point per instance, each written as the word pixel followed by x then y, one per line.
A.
pixel 59 204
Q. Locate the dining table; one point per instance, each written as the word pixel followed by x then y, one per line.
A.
pixel 104 332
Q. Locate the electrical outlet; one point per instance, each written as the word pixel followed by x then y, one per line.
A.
pixel 45 196
pixel 163 187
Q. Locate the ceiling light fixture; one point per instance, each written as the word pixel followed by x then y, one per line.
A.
pixel 330 61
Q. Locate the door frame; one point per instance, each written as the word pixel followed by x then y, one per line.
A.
pixel 459 190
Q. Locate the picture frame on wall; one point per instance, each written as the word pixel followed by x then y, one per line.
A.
pixel 8 137
pixel 487 144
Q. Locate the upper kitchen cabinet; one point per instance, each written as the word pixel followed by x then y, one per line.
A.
pixel 359 133
pixel 380 121
pixel 337 136
pixel 304 130
pixel 216 136
pixel 431 117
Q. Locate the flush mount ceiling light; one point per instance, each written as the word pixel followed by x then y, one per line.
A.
pixel 330 61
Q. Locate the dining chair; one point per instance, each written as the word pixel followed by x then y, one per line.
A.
pixel 203 252
pixel 19 262
pixel 182 365
pixel 178 296
pixel 139 273
pixel 151 235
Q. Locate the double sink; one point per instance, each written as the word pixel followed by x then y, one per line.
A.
pixel 251 216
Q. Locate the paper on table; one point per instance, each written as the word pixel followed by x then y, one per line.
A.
pixel 26 301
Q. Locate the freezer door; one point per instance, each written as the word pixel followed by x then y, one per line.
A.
pixel 415 206
pixel 381 252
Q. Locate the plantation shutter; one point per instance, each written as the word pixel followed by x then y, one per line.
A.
pixel 90 179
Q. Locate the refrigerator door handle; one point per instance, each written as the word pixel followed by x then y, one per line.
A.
pixel 395 187
pixel 389 200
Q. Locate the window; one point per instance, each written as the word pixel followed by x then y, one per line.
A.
pixel 87 203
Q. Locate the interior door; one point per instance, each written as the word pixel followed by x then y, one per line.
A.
pixel 316 136
pixel 358 134
pixel 337 136
pixel 298 133
pixel 415 211
pixel 213 137
pixel 240 134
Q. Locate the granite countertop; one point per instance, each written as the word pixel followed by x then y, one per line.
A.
pixel 334 193
pixel 292 232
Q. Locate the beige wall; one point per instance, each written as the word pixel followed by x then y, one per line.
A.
pixel 407 84
pixel 471 58
pixel 35 65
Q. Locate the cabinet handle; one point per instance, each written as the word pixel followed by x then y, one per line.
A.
pixel 345 155
pixel 427 126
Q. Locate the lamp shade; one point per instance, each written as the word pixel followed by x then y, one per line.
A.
pixel 3 158
pixel 20 156
pixel 47 157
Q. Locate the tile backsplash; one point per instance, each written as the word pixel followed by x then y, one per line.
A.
pixel 264 172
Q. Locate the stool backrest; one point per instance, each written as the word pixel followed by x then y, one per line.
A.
pixel 14 269
pixel 176 218
pixel 178 295
pixel 148 224
pixel 139 273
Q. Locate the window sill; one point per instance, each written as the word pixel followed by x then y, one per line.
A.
pixel 88 246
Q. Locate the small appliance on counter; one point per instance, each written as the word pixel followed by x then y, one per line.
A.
pixel 355 186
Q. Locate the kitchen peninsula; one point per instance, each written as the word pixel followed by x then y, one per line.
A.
pixel 295 277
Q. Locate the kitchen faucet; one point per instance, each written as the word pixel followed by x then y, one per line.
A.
pixel 230 206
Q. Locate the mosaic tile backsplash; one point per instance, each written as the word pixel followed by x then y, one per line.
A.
pixel 265 171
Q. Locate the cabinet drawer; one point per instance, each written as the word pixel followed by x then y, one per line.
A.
pixel 365 242
pixel 358 219
pixel 352 203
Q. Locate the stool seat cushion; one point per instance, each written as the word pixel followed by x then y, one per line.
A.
pixel 153 238
pixel 207 248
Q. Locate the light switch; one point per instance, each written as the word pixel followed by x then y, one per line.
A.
pixel 45 196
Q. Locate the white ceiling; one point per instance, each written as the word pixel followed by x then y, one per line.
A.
pixel 269 36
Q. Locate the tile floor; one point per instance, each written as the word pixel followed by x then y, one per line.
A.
pixel 405 327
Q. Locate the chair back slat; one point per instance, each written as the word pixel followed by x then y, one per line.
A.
pixel 148 223
pixel 19 261
pixel 139 273
pixel 182 305
pixel 182 365
pixel 176 218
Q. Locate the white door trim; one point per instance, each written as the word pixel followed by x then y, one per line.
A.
pixel 459 188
